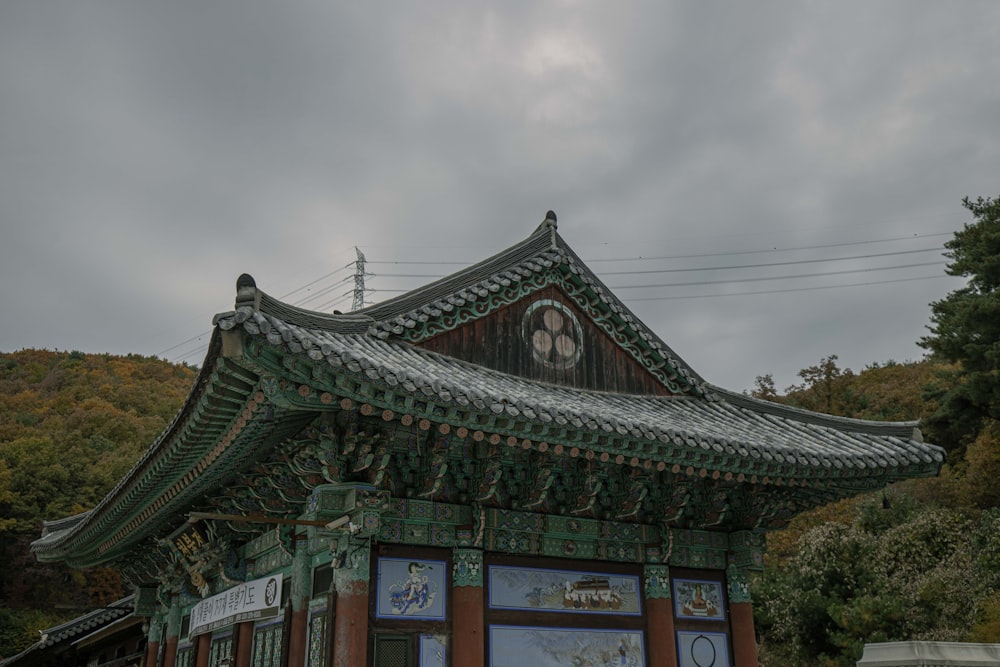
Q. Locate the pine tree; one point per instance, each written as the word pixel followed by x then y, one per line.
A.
pixel 965 330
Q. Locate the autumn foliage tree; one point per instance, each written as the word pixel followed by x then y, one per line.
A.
pixel 71 425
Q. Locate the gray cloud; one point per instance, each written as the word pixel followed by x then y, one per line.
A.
pixel 149 154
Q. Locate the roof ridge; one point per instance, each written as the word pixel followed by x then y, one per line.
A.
pixel 907 429
pixel 538 257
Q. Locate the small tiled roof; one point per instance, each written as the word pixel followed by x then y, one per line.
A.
pixel 76 628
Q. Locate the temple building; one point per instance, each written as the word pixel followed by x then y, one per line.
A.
pixel 502 468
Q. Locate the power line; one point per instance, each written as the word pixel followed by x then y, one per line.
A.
pixel 326 290
pixel 183 342
pixel 309 284
pixel 766 278
pixel 197 353
pixel 430 262
pixel 791 289
pixel 770 250
pixel 770 264
pixel 336 302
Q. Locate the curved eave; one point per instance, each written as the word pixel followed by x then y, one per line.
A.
pixel 725 434
pixel 215 411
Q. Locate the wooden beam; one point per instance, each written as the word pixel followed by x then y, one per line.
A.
pixel 196 516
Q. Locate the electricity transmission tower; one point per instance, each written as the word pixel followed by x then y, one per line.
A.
pixel 359 281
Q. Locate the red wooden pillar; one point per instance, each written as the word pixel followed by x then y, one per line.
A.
pixel 660 617
pixel 173 634
pixel 243 644
pixel 152 652
pixel 468 643
pixel 350 628
pixel 297 637
pixel 350 642
pixel 170 652
pixel 202 650
pixel 153 637
pixel 744 640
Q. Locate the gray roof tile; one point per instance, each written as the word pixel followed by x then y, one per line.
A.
pixel 731 423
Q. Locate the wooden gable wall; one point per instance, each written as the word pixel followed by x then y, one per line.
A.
pixel 546 337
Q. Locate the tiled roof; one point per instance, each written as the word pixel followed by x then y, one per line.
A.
pixel 726 423
pixel 76 628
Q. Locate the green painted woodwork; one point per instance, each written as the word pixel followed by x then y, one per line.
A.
pixel 155 630
pixel 657 582
pixel 577 497
pixel 738 583
pixel 174 619
pixel 699 549
pixel 426 523
pixel 146 602
pixel 356 567
pixel 301 576
pixel 265 554
pixel 467 567
pixel 746 549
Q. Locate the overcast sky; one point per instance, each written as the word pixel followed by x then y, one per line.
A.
pixel 151 152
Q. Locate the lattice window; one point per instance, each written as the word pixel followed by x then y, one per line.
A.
pixel 222 649
pixel 392 651
pixel 318 628
pixel 267 646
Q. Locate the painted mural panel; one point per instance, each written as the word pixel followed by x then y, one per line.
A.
pixel 518 646
pixel 409 588
pixel 702 649
pixel 433 652
pixel 535 589
pixel 698 599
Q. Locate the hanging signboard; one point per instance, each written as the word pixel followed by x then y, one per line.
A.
pixel 189 541
pixel 250 601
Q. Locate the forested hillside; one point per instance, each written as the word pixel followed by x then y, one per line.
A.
pixel 920 560
pixel 71 425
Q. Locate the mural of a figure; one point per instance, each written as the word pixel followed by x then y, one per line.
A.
pixel 411 588
pixel 414 594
